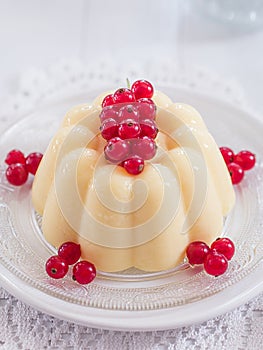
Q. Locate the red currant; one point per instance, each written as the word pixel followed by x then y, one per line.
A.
pixel 84 272
pixel 56 267
pixel 142 88
pixel 109 113
pixel 215 264
pixel 70 252
pixel 148 128
pixel 117 150
pixel 146 108
pixel 134 166
pixel 129 129
pixel 123 95
pixel 196 252
pixel 224 246
pixel 144 148
pixel 227 154
pixel 32 162
pixel 236 173
pixel 128 112
pixel 16 174
pixel 245 159
pixel 15 156
pixel 107 101
pixel 109 129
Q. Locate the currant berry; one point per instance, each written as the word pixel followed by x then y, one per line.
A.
pixel 146 108
pixel 123 95
pixel 142 89
pixel 245 159
pixel 117 150
pixel 227 154
pixel 144 148
pixel 15 156
pixel 224 246
pixel 107 101
pixel 128 112
pixel 32 162
pixel 148 128
pixel 129 129
pixel 236 173
pixel 215 264
pixel 196 252
pixel 109 113
pixel 84 272
pixel 70 252
pixel 109 129
pixel 56 267
pixel 16 174
pixel 134 166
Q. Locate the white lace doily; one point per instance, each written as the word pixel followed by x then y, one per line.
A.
pixel 22 327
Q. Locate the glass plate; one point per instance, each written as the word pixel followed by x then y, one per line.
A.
pixel 134 300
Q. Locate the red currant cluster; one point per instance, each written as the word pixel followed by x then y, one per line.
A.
pixel 20 166
pixel 128 125
pixel 238 163
pixel 57 266
pixel 215 258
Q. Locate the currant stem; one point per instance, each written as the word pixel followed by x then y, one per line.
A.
pixel 128 83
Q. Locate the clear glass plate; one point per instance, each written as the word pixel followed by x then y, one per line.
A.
pixel 131 299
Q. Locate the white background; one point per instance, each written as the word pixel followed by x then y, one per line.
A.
pixel 38 33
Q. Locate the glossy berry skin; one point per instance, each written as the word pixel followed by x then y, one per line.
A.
pixel 236 173
pixel 148 128
pixel 196 252
pixel 245 159
pixel 56 267
pixel 129 129
pixel 70 252
pixel 117 150
pixel 142 89
pixel 109 129
pixel 146 108
pixel 224 246
pixel 109 113
pixel 107 101
pixel 123 95
pixel 15 156
pixel 134 165
pixel 129 112
pixel 227 154
pixel 84 272
pixel 32 162
pixel 16 174
pixel 144 148
pixel 215 264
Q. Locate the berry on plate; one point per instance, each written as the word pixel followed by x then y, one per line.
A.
pixel 56 267
pixel 16 174
pixel 215 264
pixel 196 252
pixel 15 156
pixel 224 246
pixel 32 162
pixel 70 252
pixel 245 159
pixel 227 154
pixel 236 173
pixel 84 272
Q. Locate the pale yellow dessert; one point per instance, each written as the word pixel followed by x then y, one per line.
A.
pixel 121 220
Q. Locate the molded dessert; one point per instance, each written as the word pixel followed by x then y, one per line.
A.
pixel 122 220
